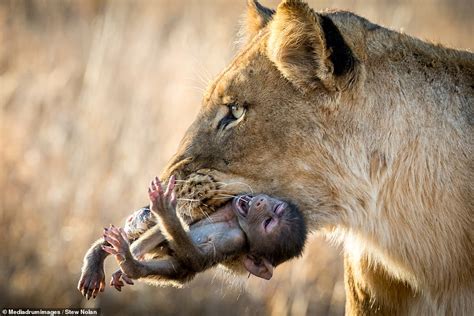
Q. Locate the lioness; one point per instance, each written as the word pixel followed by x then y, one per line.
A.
pixel 369 131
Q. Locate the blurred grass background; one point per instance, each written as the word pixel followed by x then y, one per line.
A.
pixel 94 97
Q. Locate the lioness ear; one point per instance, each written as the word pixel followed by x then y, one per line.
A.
pixel 260 267
pixel 257 17
pixel 307 47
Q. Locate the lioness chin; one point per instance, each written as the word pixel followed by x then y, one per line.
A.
pixel 369 131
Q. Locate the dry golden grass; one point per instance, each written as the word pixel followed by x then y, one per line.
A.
pixel 94 97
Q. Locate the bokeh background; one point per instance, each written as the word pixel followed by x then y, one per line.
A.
pixel 94 97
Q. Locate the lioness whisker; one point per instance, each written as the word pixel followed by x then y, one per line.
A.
pixel 223 198
pixel 237 182
pixel 189 211
pixel 217 190
pixel 227 195
pixel 199 89
pixel 204 213
pixel 188 200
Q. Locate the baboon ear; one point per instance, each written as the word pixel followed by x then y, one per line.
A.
pixel 307 47
pixel 259 267
pixel 257 17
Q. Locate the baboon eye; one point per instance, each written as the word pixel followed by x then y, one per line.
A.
pixel 235 114
pixel 267 222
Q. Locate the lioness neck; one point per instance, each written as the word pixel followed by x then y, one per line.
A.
pixel 415 128
pixel 396 186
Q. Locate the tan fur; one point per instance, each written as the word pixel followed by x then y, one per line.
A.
pixel 379 156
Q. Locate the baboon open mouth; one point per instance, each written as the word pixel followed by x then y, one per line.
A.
pixel 242 204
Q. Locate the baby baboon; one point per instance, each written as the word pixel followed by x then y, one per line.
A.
pixel 268 231
pixel 263 231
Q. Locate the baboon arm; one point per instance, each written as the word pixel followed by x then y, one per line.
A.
pixel 169 268
pixel 92 280
pixel 164 269
pixel 185 251
pixel 146 242
pixel 95 256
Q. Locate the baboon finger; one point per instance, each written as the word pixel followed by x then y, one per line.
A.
pixel 110 250
pixel 102 286
pixel 89 290
pixel 95 291
pixel 89 293
pixel 123 234
pixel 173 199
pixel 127 279
pixel 158 185
pixel 113 230
pixel 118 282
pixel 113 233
pixel 171 185
pixel 94 285
pixel 80 284
pixel 113 241
pixel 117 286
pixel 110 233
pixel 85 287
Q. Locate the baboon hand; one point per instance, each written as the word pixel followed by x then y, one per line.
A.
pixel 117 278
pixel 92 281
pixel 162 202
pixel 120 248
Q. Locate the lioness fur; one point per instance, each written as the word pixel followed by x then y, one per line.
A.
pixel 369 131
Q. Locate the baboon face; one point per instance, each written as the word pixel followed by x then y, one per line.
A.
pixel 275 229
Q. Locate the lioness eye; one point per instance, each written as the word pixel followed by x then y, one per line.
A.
pixel 237 111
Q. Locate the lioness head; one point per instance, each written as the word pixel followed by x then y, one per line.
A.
pixel 266 123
